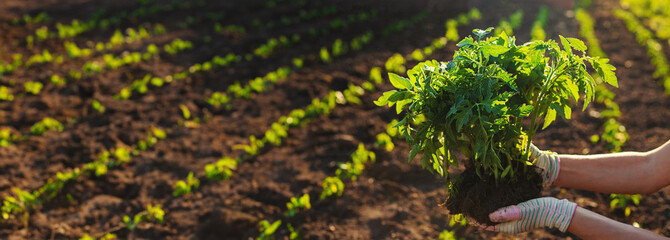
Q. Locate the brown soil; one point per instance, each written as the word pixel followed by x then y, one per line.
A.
pixel 393 199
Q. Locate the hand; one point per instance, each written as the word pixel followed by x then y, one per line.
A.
pixel 548 162
pixel 532 214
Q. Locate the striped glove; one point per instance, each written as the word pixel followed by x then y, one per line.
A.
pixel 548 162
pixel 532 214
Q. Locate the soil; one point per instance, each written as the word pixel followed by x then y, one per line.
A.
pixel 476 197
pixel 393 199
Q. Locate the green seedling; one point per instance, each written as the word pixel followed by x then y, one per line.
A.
pixel 297 204
pixel 268 230
pixel 151 214
pixel 47 124
pixel 395 64
pixel 623 200
pixel 5 94
pixel 332 186
pixel 97 106
pixel 221 170
pixel 325 55
pixel 182 188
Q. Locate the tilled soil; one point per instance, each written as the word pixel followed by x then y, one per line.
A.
pixel 393 199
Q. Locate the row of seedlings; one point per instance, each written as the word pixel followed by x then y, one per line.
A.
pixel 654 49
pixel 97 21
pixel 537 29
pixel 334 186
pixel 109 62
pixel 132 35
pixel 614 134
pixel 25 201
pixel 258 84
pixel 654 13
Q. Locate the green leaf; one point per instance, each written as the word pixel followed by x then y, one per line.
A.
pixel 577 44
pixel 525 110
pixel 481 33
pixel 465 42
pixel 398 81
pixel 462 119
pixel 400 96
pixel 413 152
pixel 566 45
pixel 550 117
pixel 507 169
pixel 493 50
pixel 400 105
pixel 384 99
pixel 607 72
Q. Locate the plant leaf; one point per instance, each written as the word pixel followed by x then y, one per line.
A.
pixel 566 45
pixel 481 33
pixel 384 98
pixel 465 42
pixel 607 72
pixel 493 50
pixel 577 44
pixel 550 117
pixel 399 82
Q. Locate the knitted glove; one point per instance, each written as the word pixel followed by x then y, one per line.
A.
pixel 548 162
pixel 532 214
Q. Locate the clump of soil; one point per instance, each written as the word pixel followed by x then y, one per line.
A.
pixel 476 197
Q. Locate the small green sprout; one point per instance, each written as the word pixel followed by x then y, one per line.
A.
pixel 385 140
pixel 33 87
pixel 7 138
pixel 298 62
pixel 622 200
pixel 324 55
pixel 252 148
pixel 57 80
pixel 5 94
pixel 448 235
pixel 218 98
pixel 122 155
pixel 417 55
pixel 276 133
pixel 395 64
pixel 298 204
pixel 152 214
pixel 221 170
pixel 268 230
pixel 339 47
pixel 182 188
pixel 332 186
pixel 184 111
pixel 452 30
pixel 159 133
pixel 294 234
pixel 97 106
pixel 376 75
pixel 47 124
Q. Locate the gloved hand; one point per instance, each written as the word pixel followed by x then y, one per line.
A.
pixel 548 162
pixel 532 214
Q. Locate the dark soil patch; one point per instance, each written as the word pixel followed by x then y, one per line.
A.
pixel 476 197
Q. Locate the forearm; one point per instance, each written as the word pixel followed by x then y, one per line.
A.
pixel 628 172
pixel 589 225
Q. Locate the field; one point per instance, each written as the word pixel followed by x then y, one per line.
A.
pixel 175 119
